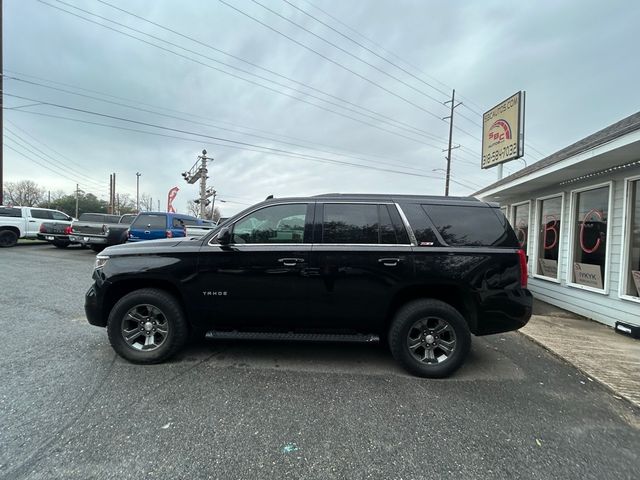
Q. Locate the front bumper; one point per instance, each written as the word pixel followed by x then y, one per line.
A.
pixel 92 307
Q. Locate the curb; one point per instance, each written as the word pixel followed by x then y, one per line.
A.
pixel 612 390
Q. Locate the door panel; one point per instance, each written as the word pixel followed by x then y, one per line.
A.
pixel 253 286
pixel 353 285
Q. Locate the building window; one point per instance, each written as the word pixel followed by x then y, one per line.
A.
pixel 549 222
pixel 589 243
pixel 631 269
pixel 521 225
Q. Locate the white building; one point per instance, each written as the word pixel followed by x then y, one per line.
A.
pixel 577 214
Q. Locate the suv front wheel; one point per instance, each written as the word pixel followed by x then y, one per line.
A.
pixel 429 338
pixel 147 326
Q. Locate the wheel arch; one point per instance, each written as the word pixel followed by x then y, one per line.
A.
pixel 455 295
pixel 123 287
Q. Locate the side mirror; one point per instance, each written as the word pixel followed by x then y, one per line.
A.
pixel 224 236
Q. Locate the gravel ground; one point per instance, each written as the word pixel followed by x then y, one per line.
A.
pixel 69 408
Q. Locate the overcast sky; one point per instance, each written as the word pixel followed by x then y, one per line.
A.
pixel 576 60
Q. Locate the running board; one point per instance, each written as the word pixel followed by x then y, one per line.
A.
pixel 291 336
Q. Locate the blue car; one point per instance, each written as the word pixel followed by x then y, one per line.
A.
pixel 155 225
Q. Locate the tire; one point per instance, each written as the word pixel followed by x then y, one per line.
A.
pixel 60 244
pixel 8 238
pixel 97 248
pixel 429 338
pixel 170 319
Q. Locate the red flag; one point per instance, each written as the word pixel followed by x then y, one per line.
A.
pixel 170 198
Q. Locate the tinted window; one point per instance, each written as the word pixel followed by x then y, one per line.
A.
pixel 126 219
pixel 177 222
pixel 350 223
pixel 10 212
pixel 420 224
pixel 111 219
pixel 471 226
pixel 388 233
pixel 59 216
pixel 275 224
pixel 191 221
pixel 91 217
pixel 44 214
pixel 150 222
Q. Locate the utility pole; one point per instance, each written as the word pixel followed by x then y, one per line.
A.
pixel 450 117
pixel 158 205
pixel 118 204
pixel 138 175
pixel 49 199
pixel 77 193
pixel 213 203
pixel 200 173
pixel 1 110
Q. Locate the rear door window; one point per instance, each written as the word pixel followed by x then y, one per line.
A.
pixel 420 224
pixel 41 214
pixel 350 223
pixel 59 216
pixel 472 226
pixel 150 222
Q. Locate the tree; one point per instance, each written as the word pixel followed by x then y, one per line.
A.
pixel 193 208
pixel 146 203
pixel 87 203
pixel 25 193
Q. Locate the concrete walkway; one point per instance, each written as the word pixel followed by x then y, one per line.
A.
pixel 595 349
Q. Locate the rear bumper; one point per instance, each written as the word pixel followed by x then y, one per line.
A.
pixel 504 312
pixel 88 239
pixel 50 237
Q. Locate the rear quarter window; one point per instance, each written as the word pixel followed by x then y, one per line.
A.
pixel 153 222
pixel 10 212
pixel 471 226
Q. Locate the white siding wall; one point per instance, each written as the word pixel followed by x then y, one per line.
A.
pixel 605 308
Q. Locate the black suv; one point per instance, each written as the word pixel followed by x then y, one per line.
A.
pixel 422 273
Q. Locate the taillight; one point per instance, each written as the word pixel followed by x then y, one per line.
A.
pixel 522 256
pixel 68 230
pixel 169 234
pixel 42 229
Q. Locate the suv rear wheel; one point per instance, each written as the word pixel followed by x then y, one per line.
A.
pixel 429 338
pixel 147 326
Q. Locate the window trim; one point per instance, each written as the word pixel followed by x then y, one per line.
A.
pixel 626 241
pixel 607 254
pixel 530 245
pixel 536 254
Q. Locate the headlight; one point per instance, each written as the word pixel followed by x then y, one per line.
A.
pixel 100 261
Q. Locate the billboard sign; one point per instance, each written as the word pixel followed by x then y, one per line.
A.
pixel 503 132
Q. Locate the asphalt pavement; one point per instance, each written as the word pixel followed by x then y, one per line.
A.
pixel 70 408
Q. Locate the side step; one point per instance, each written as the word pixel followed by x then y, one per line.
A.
pixel 291 336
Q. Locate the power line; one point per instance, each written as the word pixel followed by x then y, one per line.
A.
pixel 371 65
pixel 33 150
pixel 366 79
pixel 234 142
pixel 190 114
pixel 408 129
pixel 200 123
pixel 31 159
pixel 175 32
pixel 46 146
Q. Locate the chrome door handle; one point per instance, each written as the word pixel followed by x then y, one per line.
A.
pixel 290 262
pixel 389 262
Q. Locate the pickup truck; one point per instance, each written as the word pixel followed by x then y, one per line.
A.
pixel 55 233
pixel 24 222
pixel 99 230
